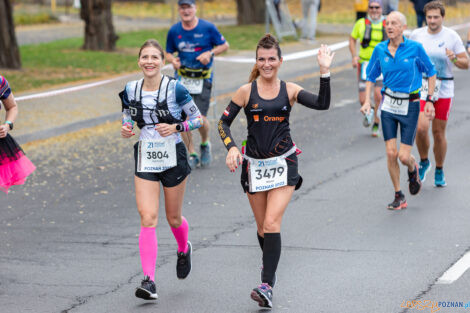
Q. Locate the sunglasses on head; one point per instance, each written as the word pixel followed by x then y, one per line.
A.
pixel 377 7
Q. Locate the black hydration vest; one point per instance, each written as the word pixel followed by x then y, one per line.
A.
pixel 161 108
pixel 368 33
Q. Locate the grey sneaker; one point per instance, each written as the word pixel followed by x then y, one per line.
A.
pixel 206 156
pixel 147 290
pixel 263 294
pixel 193 161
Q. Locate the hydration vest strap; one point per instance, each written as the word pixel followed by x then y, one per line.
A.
pixel 368 33
pixel 138 90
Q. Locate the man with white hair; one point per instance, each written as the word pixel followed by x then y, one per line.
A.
pixel 402 62
pixel 446 49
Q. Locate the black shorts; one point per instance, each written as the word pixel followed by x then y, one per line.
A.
pixel 293 176
pixel 171 177
pixel 203 100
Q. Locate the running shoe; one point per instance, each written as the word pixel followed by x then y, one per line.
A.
pixel 368 118
pixel 183 265
pixel 146 290
pixel 274 279
pixel 206 156
pixel 263 294
pixel 439 179
pixel 424 168
pixel 415 182
pixel 193 160
pixel 375 130
pixel 398 204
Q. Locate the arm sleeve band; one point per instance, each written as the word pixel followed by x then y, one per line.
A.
pixel 194 120
pixel 5 90
pixel 320 102
pixel 225 122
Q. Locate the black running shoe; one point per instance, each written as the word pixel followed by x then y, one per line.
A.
pixel 274 279
pixel 146 290
pixel 263 294
pixel 398 204
pixel 183 265
pixel 415 182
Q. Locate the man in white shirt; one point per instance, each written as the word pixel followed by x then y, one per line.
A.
pixel 445 48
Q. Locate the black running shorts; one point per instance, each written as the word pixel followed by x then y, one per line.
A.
pixel 171 177
pixel 293 177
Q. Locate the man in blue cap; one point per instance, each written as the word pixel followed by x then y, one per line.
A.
pixel 196 42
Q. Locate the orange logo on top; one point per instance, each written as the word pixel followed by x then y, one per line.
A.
pixel 256 118
pixel 255 105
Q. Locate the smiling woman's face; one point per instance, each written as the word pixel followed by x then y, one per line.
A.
pixel 150 61
pixel 268 62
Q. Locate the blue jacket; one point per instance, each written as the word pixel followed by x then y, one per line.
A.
pixel 402 73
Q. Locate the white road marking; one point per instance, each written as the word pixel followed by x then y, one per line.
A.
pixel 76 88
pixel 344 102
pixel 288 57
pixel 456 270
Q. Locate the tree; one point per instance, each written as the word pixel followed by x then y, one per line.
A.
pixel 99 29
pixel 250 12
pixel 9 51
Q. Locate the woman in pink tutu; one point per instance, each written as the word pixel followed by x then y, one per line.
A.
pixel 15 167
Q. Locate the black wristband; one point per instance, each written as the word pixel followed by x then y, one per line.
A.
pixel 429 99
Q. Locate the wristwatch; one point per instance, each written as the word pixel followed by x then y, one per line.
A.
pixel 10 124
pixel 179 127
pixel 429 99
pixel 212 53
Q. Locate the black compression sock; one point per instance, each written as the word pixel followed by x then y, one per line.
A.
pixel 271 256
pixel 425 160
pixel 260 240
pixel 439 168
pixel 399 193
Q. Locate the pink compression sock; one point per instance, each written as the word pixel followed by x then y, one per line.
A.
pixel 181 235
pixel 148 247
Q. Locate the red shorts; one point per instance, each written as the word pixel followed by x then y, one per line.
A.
pixel 441 106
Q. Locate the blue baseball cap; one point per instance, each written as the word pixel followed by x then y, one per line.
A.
pixel 190 2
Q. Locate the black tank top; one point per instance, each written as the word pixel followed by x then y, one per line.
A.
pixel 268 124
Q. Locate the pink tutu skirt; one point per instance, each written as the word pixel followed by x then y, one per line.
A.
pixel 15 167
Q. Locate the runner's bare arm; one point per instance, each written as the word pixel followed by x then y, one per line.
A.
pixel 206 57
pixel 352 49
pixel 365 109
pixel 175 61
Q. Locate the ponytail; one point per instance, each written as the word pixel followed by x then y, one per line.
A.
pixel 268 41
pixel 254 74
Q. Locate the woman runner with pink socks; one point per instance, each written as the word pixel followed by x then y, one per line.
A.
pixel 155 104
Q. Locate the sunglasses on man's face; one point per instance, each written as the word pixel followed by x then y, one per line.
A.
pixel 376 8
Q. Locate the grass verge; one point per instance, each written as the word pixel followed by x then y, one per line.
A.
pixel 64 61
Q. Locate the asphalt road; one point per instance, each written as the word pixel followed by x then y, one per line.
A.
pixel 69 237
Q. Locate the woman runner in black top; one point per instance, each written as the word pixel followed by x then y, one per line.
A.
pixel 269 169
